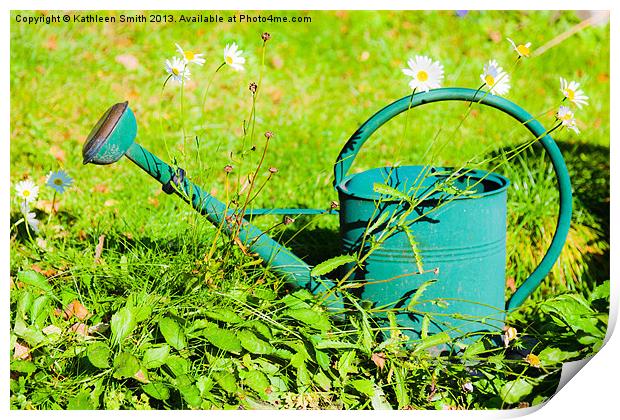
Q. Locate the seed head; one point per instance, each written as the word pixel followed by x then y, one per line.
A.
pixel 268 134
pixel 288 220
pixel 266 36
pixel 273 170
pixel 253 86
pixel 228 169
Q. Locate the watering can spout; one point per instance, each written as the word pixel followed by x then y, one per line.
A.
pixel 113 137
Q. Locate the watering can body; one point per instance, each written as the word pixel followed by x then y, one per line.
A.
pixel 448 264
pixel 454 249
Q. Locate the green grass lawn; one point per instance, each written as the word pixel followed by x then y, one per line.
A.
pixel 151 283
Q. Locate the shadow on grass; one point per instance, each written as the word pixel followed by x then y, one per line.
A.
pixel 534 207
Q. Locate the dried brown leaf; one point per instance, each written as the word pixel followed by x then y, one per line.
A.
pixel 21 351
pixel 99 248
pixel 379 360
pixel 77 310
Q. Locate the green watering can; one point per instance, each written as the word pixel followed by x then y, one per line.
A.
pixel 452 248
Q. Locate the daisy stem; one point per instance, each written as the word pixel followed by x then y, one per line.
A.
pixel 206 94
pixel 27 227
pixel 183 118
pixel 407 115
pixel 161 122
pixel 52 209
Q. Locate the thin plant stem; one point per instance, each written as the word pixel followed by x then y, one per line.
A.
pixel 52 209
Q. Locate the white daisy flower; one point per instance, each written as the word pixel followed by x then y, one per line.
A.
pixel 495 78
pixel 59 181
pixel 177 69
pixel 27 190
pixel 425 73
pixel 522 49
pixel 571 91
pixel 190 56
pixel 33 222
pixel 567 118
pixel 232 57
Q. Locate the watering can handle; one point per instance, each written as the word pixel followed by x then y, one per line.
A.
pixel 354 144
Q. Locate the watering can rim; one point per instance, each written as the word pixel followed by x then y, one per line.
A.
pixel 104 129
pixel 501 180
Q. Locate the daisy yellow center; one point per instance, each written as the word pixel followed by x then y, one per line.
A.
pixel 58 181
pixel 422 76
pixel 26 193
pixel 189 55
pixel 175 71
pixel 523 50
pixel 489 80
pixel 570 94
pixel 229 59
pixel 566 117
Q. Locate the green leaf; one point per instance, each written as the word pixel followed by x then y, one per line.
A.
pixel 32 335
pixel 392 193
pixel 226 380
pixel 347 364
pixel 81 401
pixel 364 386
pixel 600 292
pixel 261 328
pixel 155 356
pixel 204 384
pixel 122 325
pixel 253 344
pixel 514 391
pixel 98 355
pixel 554 356
pixel 39 310
pixel 425 324
pixel 418 294
pixel 323 381
pixel 142 313
pixel 173 333
pixel 224 315
pixel 32 278
pixel 178 365
pixel 257 381
pixel 400 387
pixel 265 294
pixel 322 359
pixel 473 350
pixel 432 341
pixel 189 391
pixel 298 299
pixel 157 390
pixel 23 366
pixel 24 302
pixel 332 264
pixel 311 318
pixel 334 344
pixel 414 248
pixel 378 222
pixel 303 379
pixel 126 365
pixel 222 339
